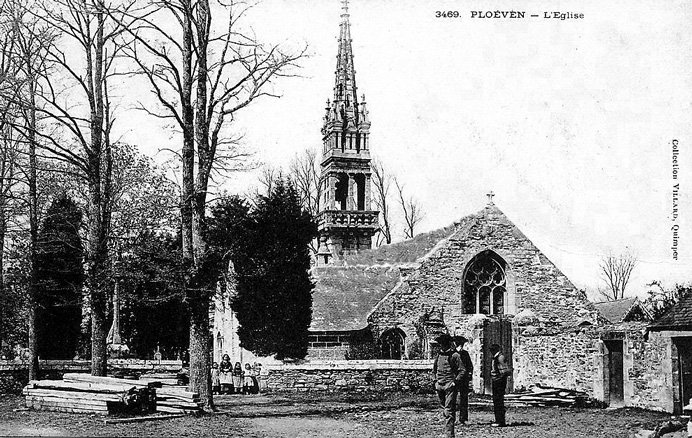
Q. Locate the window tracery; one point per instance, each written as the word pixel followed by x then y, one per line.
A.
pixel 485 284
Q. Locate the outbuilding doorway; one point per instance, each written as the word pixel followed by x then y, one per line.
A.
pixel 616 380
pixel 684 368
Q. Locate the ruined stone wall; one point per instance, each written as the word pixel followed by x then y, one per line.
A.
pixel 359 376
pixel 564 360
pixel 652 372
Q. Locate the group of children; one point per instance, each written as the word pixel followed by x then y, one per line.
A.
pixel 229 379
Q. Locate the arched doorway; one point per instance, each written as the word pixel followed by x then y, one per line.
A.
pixel 485 284
pixel 392 344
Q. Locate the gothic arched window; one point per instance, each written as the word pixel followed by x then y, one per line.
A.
pixel 219 343
pixel 485 284
pixel 392 344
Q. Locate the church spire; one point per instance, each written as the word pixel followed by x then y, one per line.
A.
pixel 345 112
pixel 346 221
pixel 345 86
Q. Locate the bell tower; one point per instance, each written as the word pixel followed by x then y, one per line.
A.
pixel 346 219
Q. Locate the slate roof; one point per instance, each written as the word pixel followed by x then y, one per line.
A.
pixel 345 294
pixel 400 253
pixel 617 311
pixel 677 317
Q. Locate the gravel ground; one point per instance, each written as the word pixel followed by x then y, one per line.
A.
pixel 390 415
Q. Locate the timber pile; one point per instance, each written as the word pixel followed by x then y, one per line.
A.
pixel 168 399
pixel 86 397
pixel 166 379
pixel 547 396
pixel 177 400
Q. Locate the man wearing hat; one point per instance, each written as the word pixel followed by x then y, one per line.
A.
pixel 499 373
pixel 448 371
pixel 463 389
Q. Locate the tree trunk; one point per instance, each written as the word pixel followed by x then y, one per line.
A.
pixel 192 236
pixel 200 347
pixel 98 205
pixel 95 276
pixel 33 228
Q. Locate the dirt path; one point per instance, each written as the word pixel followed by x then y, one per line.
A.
pixel 333 416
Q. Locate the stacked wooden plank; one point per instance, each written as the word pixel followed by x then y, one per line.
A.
pixel 169 399
pixel 548 396
pixel 176 399
pixel 166 379
pixel 83 397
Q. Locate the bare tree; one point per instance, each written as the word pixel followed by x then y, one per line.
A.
pixel 615 272
pixel 30 40
pixel 202 76
pixel 304 172
pixel 382 181
pixel 10 78
pixel 267 177
pixel 71 97
pixel 411 208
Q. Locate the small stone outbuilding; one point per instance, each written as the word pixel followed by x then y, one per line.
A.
pixel 672 334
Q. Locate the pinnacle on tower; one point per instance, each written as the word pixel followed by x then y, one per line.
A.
pixel 346 222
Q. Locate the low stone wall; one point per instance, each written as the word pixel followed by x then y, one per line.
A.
pixel 14 374
pixel 359 376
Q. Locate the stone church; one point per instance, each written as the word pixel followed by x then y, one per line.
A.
pixel 480 277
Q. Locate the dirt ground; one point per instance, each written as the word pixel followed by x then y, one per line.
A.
pixel 389 415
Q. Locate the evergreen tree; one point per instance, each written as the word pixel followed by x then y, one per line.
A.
pixel 272 261
pixel 153 314
pixel 60 274
pixel 226 231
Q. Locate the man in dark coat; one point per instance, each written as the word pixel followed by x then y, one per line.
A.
pixel 447 371
pixel 499 373
pixel 465 382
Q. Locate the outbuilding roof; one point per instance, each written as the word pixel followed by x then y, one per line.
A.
pixel 678 317
pixel 626 309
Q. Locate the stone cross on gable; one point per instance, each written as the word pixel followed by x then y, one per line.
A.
pixel 490 197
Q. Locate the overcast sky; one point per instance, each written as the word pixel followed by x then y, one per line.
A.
pixel 568 122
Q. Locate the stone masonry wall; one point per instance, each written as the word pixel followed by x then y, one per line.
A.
pixel 652 372
pixel 533 281
pixel 563 360
pixel 359 376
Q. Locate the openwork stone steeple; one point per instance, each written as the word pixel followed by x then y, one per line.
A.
pixel 346 221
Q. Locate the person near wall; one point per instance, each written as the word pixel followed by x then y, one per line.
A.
pixel 238 377
pixel 225 375
pixel 448 371
pixel 262 376
pixel 215 379
pixel 499 372
pixel 248 383
pixel 465 383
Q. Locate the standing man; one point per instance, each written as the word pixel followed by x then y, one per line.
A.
pixel 463 389
pixel 499 373
pixel 448 371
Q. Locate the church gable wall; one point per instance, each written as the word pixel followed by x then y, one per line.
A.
pixel 532 280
